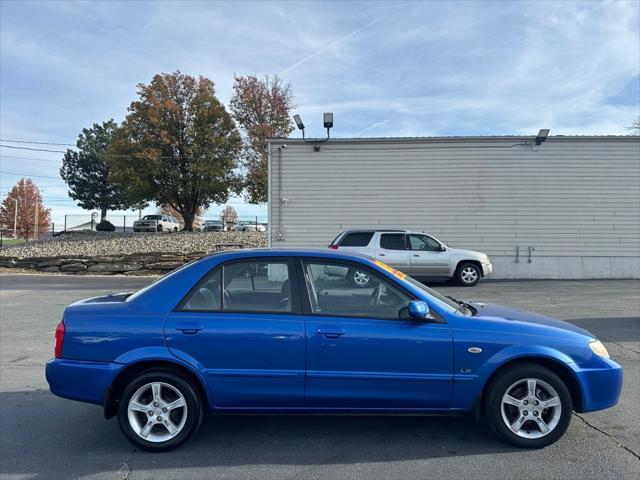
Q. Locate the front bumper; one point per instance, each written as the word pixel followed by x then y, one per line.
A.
pixel 600 384
pixel 487 268
pixel 82 381
pixel 145 228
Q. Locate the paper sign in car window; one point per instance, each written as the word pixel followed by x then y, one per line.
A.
pixel 391 270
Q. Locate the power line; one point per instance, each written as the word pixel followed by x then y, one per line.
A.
pixel 33 149
pixel 27 175
pixel 111 155
pixel 36 143
pixel 60 185
pixel 28 158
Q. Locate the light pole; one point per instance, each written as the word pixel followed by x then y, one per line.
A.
pixel 35 226
pixel 15 216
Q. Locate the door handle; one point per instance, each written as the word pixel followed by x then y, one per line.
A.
pixel 381 254
pixel 330 332
pixel 416 254
pixel 189 328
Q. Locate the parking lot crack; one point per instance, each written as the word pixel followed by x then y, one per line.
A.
pixel 124 473
pixel 606 434
pixel 624 347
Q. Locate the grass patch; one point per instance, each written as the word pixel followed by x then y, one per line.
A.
pixel 6 242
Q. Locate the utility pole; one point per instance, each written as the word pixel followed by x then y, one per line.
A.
pixel 15 217
pixel 35 226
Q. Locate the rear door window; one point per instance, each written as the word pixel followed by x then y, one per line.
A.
pixel 257 286
pixel 393 241
pixel 356 239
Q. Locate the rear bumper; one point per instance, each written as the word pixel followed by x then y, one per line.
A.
pixel 600 385
pixel 82 381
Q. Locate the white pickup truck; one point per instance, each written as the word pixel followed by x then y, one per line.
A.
pixel 415 253
pixel 156 223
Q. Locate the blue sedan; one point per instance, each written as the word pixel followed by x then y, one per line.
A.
pixel 285 331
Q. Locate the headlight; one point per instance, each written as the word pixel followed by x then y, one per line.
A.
pixel 598 348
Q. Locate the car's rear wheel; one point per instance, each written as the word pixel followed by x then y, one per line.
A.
pixel 159 410
pixel 467 274
pixel 528 405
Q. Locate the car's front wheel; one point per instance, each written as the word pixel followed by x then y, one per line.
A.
pixel 467 274
pixel 528 405
pixel 159 410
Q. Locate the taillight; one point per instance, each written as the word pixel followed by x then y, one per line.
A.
pixel 333 247
pixel 59 339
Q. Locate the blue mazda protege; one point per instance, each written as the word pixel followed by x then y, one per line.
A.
pixel 284 331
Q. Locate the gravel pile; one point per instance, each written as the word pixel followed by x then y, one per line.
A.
pixel 111 243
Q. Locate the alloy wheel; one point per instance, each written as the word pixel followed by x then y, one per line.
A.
pixel 157 412
pixel 360 278
pixel 469 274
pixel 531 408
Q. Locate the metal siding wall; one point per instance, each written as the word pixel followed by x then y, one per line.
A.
pixel 570 197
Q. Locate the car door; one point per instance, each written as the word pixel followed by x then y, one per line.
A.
pixel 361 353
pixel 243 327
pixel 391 248
pixel 428 259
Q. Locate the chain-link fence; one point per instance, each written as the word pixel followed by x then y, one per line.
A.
pixel 88 222
pixel 124 223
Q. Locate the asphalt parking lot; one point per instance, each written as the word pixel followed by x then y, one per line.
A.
pixel 45 437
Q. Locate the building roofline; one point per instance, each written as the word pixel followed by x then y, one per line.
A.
pixel 487 138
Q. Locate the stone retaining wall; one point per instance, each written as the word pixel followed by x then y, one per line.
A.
pixel 132 264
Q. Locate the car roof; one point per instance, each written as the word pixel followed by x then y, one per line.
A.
pixel 358 230
pixel 288 252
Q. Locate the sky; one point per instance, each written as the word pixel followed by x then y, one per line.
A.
pixel 383 68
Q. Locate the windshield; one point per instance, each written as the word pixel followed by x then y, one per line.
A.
pixel 446 302
pixel 151 217
pixel 438 296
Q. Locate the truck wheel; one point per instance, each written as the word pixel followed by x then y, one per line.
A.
pixel 159 410
pixel 467 274
pixel 528 406
pixel 159 228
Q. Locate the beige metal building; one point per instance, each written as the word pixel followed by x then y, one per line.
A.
pixel 568 208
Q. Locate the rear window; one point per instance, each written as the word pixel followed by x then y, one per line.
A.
pixel 393 241
pixel 356 239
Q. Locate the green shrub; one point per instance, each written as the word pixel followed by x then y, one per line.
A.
pixel 105 226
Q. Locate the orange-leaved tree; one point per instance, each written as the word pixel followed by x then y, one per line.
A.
pixel 261 108
pixel 32 219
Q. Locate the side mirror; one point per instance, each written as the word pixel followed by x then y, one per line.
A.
pixel 443 248
pixel 418 309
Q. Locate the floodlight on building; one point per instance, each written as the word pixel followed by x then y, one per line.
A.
pixel 542 135
pixel 328 124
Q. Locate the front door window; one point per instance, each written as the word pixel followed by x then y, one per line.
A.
pixel 332 292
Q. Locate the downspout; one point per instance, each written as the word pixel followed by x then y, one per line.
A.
pixel 269 199
pixel 280 235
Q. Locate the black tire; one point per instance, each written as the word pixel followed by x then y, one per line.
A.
pixel 159 228
pixel 504 382
pixel 468 274
pixel 194 410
